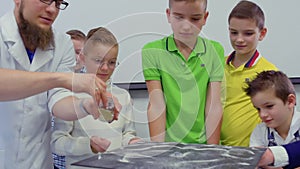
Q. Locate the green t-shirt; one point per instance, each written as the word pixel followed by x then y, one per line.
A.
pixel 184 83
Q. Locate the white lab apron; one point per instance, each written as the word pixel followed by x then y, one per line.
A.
pixel 25 124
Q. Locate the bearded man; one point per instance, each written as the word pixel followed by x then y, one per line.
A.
pixel 34 65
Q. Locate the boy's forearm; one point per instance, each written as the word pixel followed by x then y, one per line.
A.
pixel 213 113
pixel 156 111
pixel 157 127
pixel 156 123
pixel 213 132
pixel 213 124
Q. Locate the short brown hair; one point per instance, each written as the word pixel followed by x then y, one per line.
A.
pixel 171 1
pixel 76 34
pixel 248 10
pixel 277 80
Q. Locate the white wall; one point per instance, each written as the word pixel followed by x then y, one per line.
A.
pixel 136 22
pixel 297 88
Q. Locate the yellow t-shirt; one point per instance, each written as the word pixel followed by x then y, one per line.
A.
pixel 239 116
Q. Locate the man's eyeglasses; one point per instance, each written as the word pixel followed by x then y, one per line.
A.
pixel 59 4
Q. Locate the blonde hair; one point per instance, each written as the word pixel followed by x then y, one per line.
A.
pixel 100 35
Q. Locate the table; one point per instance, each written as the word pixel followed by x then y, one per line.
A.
pixel 169 155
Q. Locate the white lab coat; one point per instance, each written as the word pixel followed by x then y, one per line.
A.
pixel 26 124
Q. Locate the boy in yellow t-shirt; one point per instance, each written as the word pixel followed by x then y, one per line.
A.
pixel 246 27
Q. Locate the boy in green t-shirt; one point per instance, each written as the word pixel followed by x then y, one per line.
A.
pixel 183 73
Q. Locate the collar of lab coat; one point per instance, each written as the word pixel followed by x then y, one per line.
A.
pixel 12 40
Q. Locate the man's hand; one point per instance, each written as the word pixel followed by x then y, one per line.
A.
pixel 116 104
pixel 90 107
pixel 89 83
pixel 117 109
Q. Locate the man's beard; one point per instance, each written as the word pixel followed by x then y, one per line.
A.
pixel 34 36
